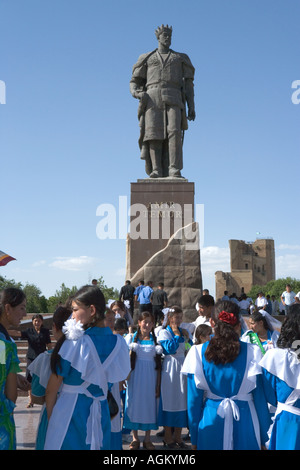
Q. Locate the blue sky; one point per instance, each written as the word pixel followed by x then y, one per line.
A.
pixel 69 129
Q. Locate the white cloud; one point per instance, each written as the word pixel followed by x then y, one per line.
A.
pixel 287 261
pixel 286 246
pixel 37 264
pixel 214 258
pixel 288 265
pixel 78 263
pixel 121 272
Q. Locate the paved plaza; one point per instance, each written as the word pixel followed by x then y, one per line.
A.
pixel 27 420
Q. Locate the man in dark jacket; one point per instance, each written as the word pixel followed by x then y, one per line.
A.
pixel 159 301
pixel 126 293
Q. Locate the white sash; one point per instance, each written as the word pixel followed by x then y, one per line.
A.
pixel 288 405
pixel 228 410
pixel 290 408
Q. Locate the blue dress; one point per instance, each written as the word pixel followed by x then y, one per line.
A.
pixel 281 380
pixel 116 428
pixel 40 371
pixel 227 408
pixel 9 363
pixel 82 405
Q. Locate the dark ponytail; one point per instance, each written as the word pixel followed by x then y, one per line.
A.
pixel 157 358
pixel 60 316
pixel 132 352
pixel 224 346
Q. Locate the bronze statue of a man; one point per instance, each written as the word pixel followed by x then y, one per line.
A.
pixel 163 81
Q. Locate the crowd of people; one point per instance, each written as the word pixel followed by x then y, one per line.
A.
pixel 127 366
pixel 266 302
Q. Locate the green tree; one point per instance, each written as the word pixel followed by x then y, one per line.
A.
pixel 108 292
pixel 4 283
pixel 33 299
pixel 275 287
pixel 60 297
pixel 35 303
pixel 43 304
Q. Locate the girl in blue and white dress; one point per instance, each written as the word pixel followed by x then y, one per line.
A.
pixel 143 385
pixel 85 364
pixel 227 407
pixel 264 330
pixel 40 370
pixel 12 310
pixel 173 399
pixel 9 366
pixel 281 380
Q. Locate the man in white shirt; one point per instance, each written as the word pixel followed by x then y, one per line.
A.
pixel 275 306
pixel 244 305
pixel 261 302
pixel 288 298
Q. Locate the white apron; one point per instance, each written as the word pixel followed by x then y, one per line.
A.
pixel 173 383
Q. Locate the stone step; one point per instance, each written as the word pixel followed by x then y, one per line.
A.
pixel 22 348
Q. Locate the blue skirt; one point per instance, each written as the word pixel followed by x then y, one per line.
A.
pixel 177 419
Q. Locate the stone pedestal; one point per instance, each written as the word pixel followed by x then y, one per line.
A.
pixel 159 207
pixel 163 242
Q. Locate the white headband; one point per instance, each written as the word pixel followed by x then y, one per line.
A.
pixel 273 324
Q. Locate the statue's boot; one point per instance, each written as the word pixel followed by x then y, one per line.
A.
pixel 156 155
pixel 175 154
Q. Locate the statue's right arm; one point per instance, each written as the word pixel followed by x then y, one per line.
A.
pixel 139 76
pixel 135 89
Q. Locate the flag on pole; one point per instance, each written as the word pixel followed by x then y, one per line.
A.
pixel 4 258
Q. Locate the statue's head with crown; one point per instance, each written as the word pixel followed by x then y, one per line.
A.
pixel 163 29
pixel 164 35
